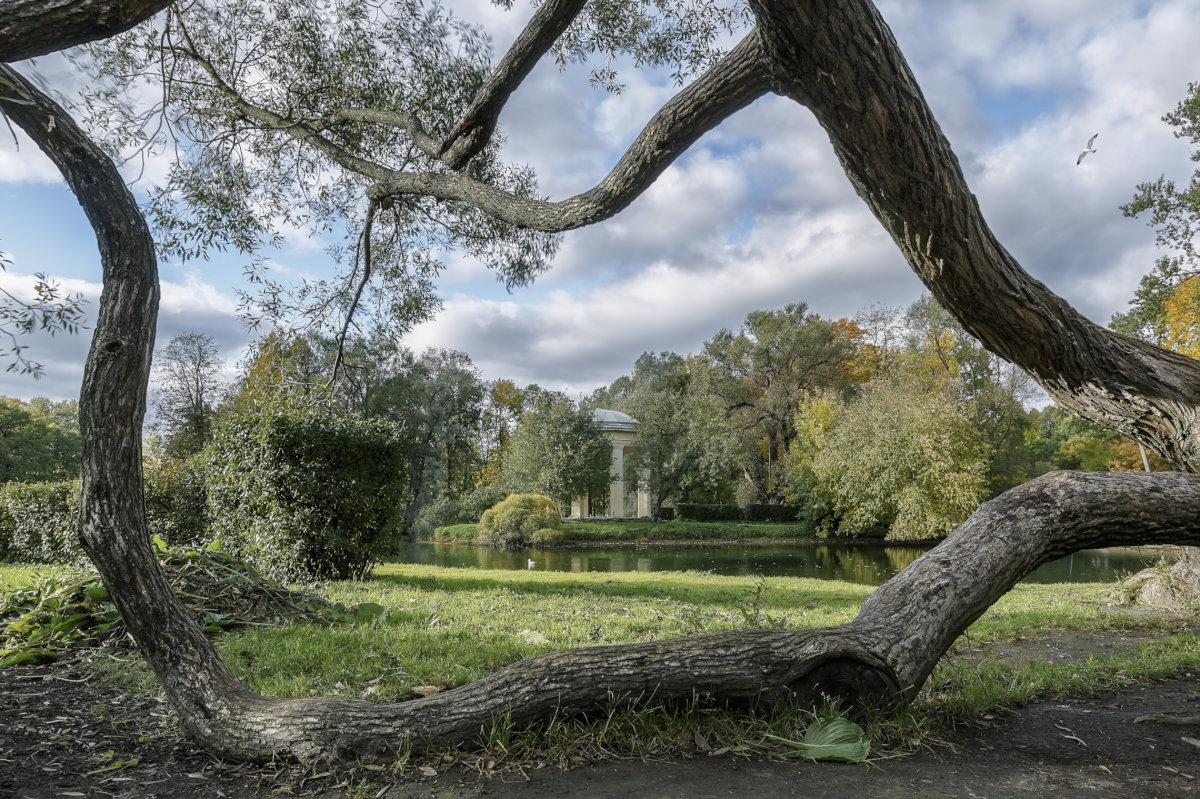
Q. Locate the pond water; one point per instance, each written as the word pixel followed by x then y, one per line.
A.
pixel 869 564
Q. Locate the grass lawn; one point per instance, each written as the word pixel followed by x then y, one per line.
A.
pixel 587 532
pixel 445 627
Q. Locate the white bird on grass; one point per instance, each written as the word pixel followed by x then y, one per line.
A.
pixel 1086 150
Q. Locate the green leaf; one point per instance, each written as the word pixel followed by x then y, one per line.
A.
pixel 836 739
pixel 370 611
pixel 97 593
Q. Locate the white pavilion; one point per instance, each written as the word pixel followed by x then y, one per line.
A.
pixel 625 499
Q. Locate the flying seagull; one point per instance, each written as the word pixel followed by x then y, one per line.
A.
pixel 1086 150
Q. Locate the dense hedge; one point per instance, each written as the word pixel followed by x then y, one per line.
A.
pixel 770 513
pixel 303 495
pixel 38 523
pixel 522 520
pixel 176 502
pixel 697 512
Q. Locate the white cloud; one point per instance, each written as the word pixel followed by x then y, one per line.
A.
pixel 191 307
pixel 759 213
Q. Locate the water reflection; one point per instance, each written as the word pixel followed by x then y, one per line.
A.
pixel 868 564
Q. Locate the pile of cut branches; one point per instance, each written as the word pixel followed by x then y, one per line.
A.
pixel 70 611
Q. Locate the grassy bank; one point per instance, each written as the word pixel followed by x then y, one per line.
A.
pixel 638 531
pixel 445 627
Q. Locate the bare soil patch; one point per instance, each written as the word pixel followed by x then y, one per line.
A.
pixel 62 736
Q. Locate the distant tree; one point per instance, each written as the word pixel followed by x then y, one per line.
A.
pixel 63 443
pixel 760 374
pixel 188 372
pixel 1055 439
pixel 901 460
pixel 1174 213
pixel 683 440
pixel 502 412
pixel 991 391
pixel 439 399
pixel 39 441
pixel 559 451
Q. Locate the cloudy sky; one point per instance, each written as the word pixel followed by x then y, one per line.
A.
pixel 757 215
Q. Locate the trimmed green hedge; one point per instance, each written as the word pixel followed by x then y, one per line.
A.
pixel 303 495
pixel 697 512
pixel 590 531
pixel 770 513
pixel 39 523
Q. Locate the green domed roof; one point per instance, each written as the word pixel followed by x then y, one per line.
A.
pixel 614 420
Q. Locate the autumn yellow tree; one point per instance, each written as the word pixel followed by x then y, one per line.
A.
pixel 1181 318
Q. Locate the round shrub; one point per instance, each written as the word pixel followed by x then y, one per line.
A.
pixel 515 522
pixel 303 495
pixel 546 537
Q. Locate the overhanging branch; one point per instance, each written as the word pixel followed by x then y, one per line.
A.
pixel 735 82
pixel 478 122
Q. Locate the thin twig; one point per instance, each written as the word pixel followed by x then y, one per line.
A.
pixel 364 252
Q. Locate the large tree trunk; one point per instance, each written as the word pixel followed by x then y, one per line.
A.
pixel 842 63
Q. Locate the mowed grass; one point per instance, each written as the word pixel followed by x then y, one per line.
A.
pixel 587 532
pixel 445 627
pixel 14 576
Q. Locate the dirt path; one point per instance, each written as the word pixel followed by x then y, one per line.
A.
pixel 66 738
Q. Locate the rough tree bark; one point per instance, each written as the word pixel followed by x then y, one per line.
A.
pixel 838 59
pixel 30 28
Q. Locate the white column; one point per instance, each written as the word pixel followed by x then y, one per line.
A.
pixel 644 495
pixel 578 507
pixel 616 491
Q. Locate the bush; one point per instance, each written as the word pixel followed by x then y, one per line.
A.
pixel 39 523
pixel 546 537
pixel 303 495
pixel 518 520
pixel 176 502
pixel 770 513
pixel 703 512
pixel 445 511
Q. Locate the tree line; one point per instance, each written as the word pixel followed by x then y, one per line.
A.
pixel 895 423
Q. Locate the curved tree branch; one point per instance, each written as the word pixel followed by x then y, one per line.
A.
pixel 394 118
pixel 112 405
pixel 478 122
pixel 30 28
pixel 738 80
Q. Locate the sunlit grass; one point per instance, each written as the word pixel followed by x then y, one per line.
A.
pixel 14 576
pixel 445 627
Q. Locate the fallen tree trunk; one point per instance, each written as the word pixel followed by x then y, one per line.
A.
pixel 887 652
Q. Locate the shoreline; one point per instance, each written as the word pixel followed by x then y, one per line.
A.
pixel 1163 549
